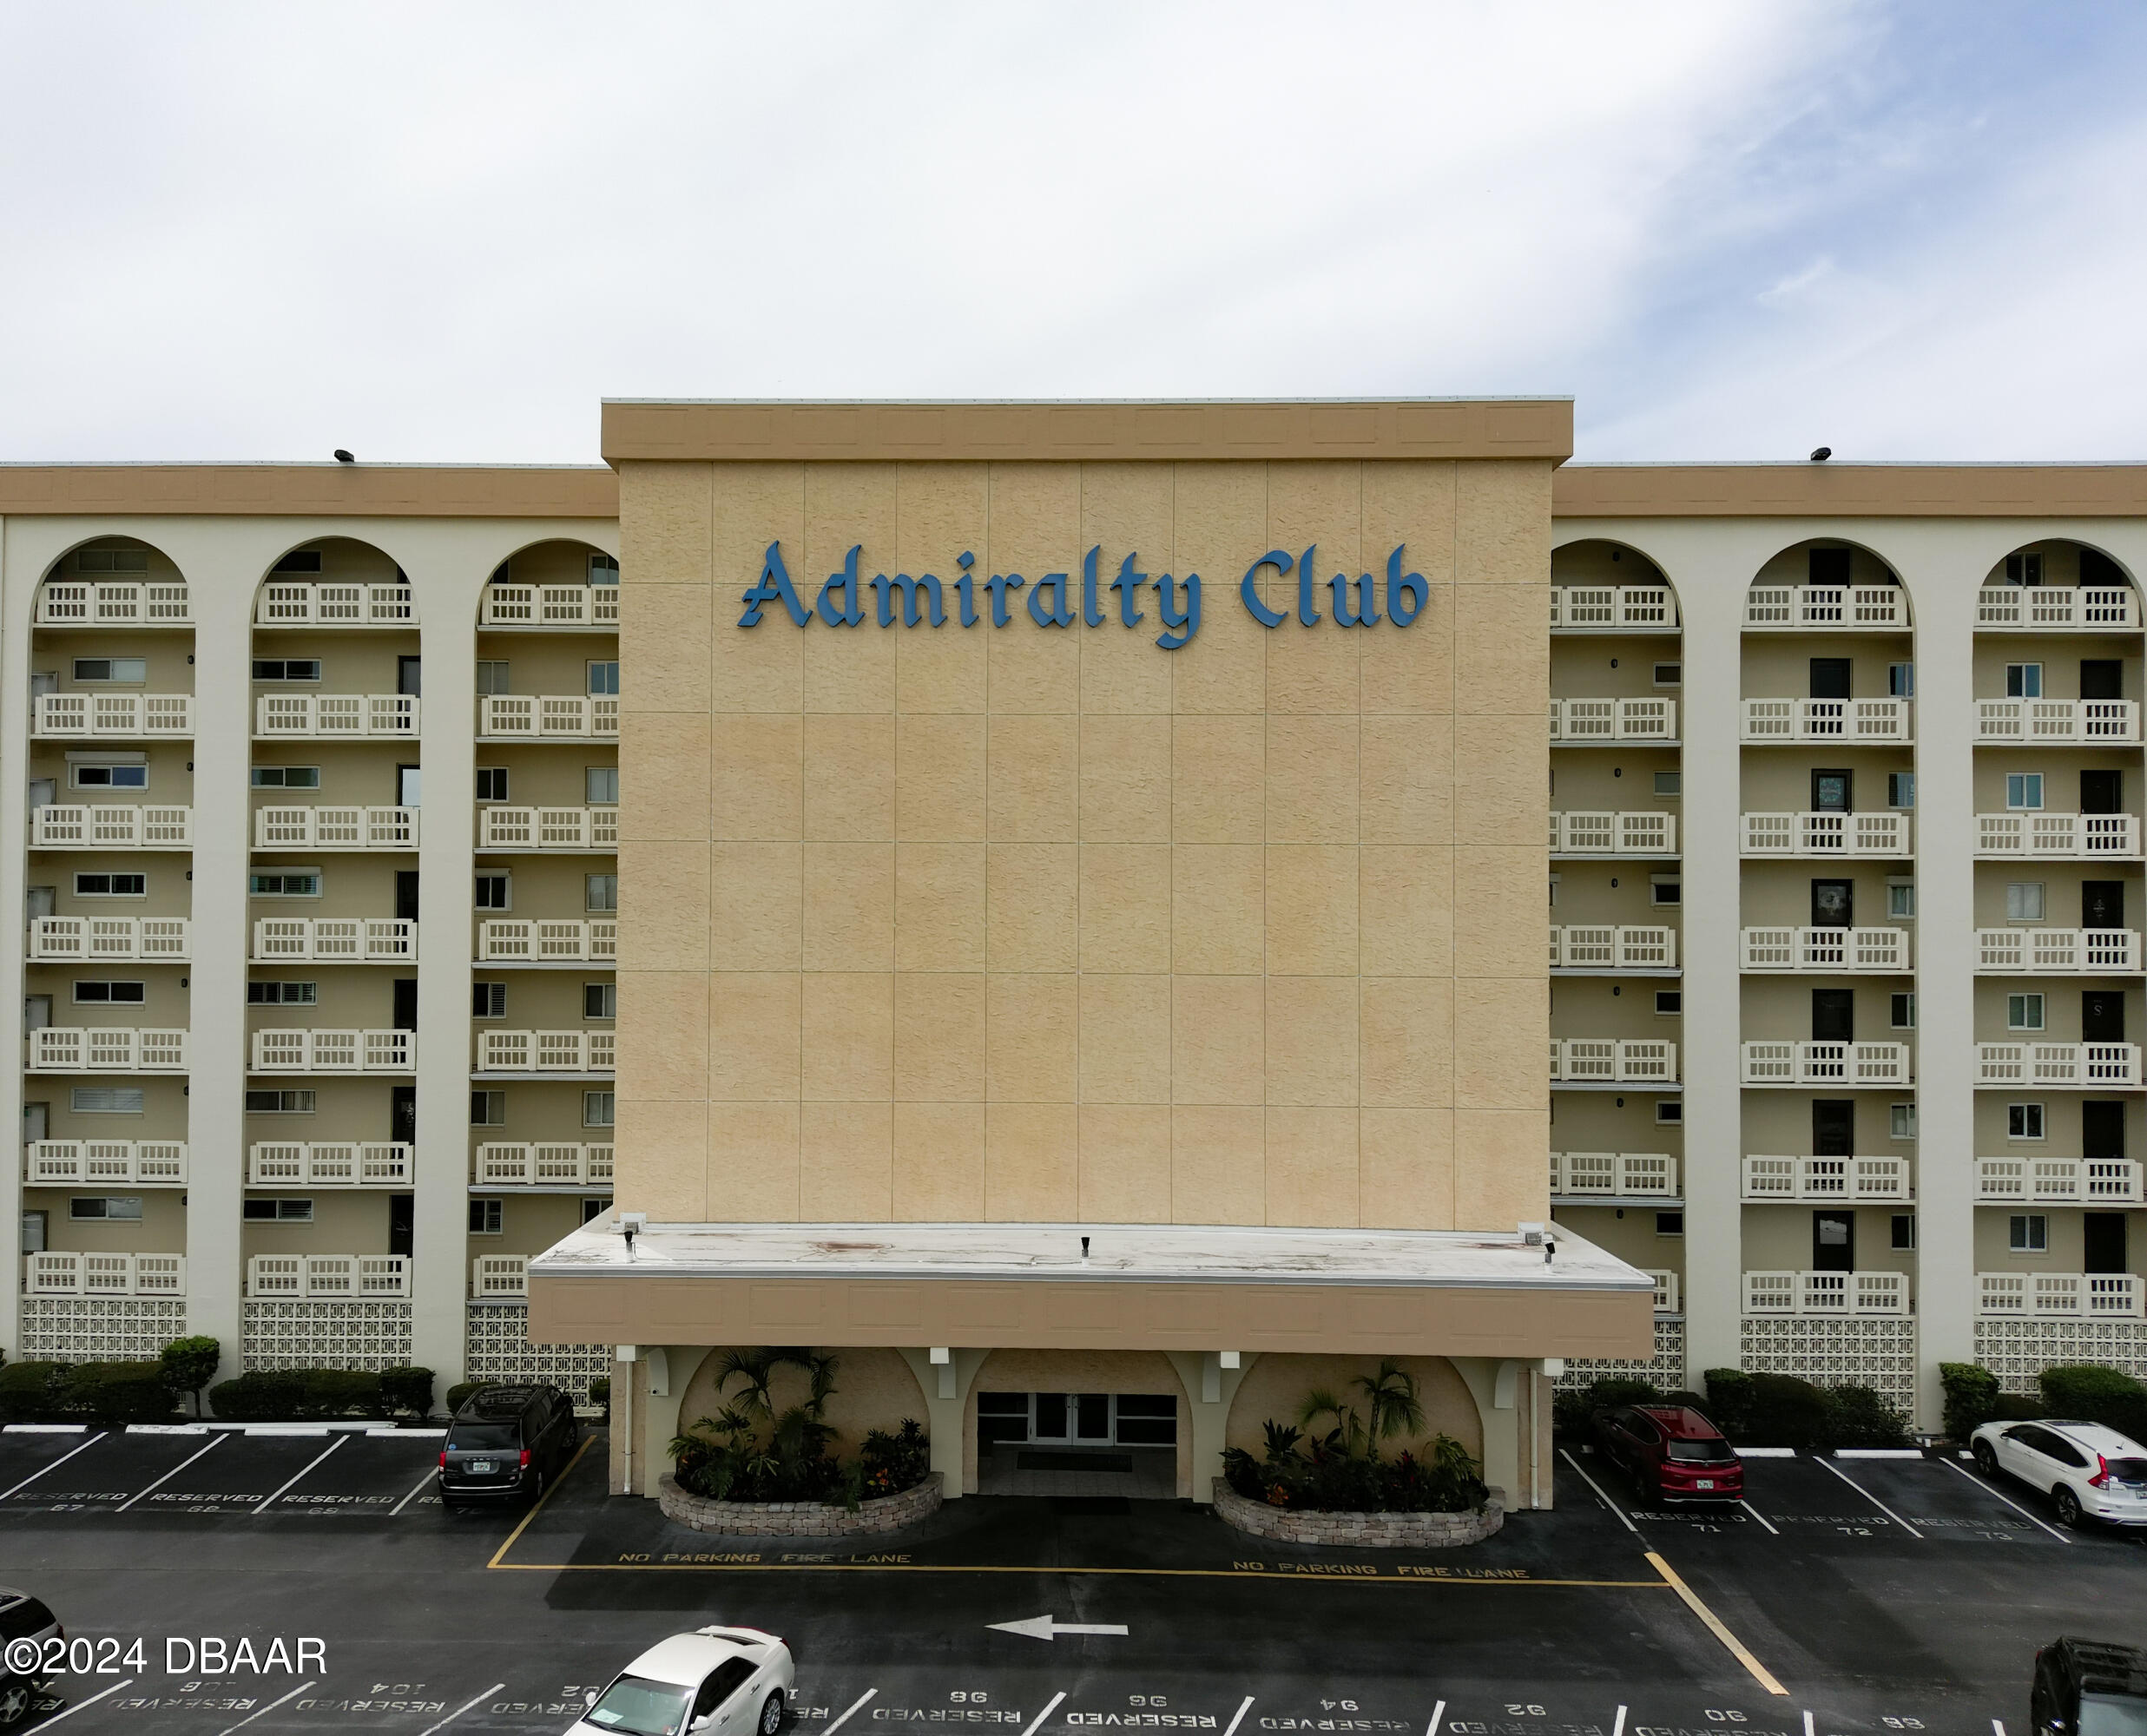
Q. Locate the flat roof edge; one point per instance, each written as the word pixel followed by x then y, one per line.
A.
pixel 1833 490
pixel 323 491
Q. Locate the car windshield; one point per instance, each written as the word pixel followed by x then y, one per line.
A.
pixel 2133 1471
pixel 638 1707
pixel 1699 1452
pixel 482 1437
pixel 2110 1714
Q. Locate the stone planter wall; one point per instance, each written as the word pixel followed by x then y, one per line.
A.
pixel 1359 1531
pixel 798 1518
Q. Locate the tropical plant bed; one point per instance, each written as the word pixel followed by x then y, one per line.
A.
pixel 798 1518
pixel 1359 1531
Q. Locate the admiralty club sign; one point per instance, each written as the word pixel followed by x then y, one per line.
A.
pixel 1355 602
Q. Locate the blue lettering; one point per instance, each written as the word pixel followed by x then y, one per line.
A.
pixel 1306 613
pixel 1248 587
pixel 1400 584
pixel 773 585
pixel 1185 625
pixel 1058 612
pixel 1128 585
pixel 1090 612
pixel 838 598
pixel 963 588
pixel 909 587
pixel 1343 614
pixel 1000 585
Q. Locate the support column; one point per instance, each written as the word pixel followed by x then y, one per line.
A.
pixel 1211 1388
pixel 19 573
pixel 946 1386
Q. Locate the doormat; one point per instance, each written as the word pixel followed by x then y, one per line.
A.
pixel 1093 1462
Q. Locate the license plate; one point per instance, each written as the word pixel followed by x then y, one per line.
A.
pixel 481 1467
pixel 1707 1482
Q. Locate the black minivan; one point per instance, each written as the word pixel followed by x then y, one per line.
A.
pixel 22 1617
pixel 506 1442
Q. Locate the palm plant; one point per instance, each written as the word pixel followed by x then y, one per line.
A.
pixel 1390 1397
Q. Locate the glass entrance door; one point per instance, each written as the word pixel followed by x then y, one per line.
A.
pixel 1072 1416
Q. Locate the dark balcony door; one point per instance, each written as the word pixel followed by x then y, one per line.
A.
pixel 2102 1235
pixel 406 895
pixel 2101 903
pixel 2102 678
pixel 2101 792
pixel 403 1113
pixel 2102 1129
pixel 1833 1127
pixel 2102 1015
pixel 1833 903
pixel 402 1223
pixel 1832 790
pixel 1830 678
pixel 1829 566
pixel 1833 1241
pixel 1834 1016
pixel 407 677
pixel 406 1003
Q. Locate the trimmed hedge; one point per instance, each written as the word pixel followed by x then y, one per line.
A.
pixel 117 1392
pixel 461 1389
pixel 407 1391
pixel 2090 1393
pixel 1781 1411
pixel 30 1391
pixel 299 1395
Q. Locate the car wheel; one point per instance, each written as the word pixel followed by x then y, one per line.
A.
pixel 772 1714
pixel 2070 1513
pixel 537 1485
pixel 14 1702
pixel 1986 1458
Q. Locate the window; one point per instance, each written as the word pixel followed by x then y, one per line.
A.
pixel 112 561
pixel 108 777
pixel 126 1209
pixel 111 885
pixel 1554 891
pixel 2024 680
pixel 1900 900
pixel 593 1209
pixel 1670 1112
pixel 599 1000
pixel 299 560
pixel 1670 674
pixel 105 1100
pixel 487 1000
pixel 2024 569
pixel 278 1211
pixel 282 993
pixel 408 786
pixel 597 1108
pixel 495 890
pixel 604 678
pixel 101 993
pixel 287 668
pixel 279 1102
pixel 1900 681
pixel 2023 1120
pixel 1666 888
pixel 604 569
pixel 1904 1229
pixel 287 777
pixel 1668 1004
pixel 2028 1232
pixel 1900 789
pixel 2023 790
pixel 492 675
pixel 1900 1120
pixel 599 891
pixel 129 671
pixel 2025 901
pixel 1904 1011
pixel 1670 1223
pixel 488 1109
pixel 285 883
pixel 1670 783
pixel 2024 1012
pixel 484 1217
pixel 492 783
pixel 602 784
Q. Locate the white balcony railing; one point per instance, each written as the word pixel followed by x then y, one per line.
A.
pixel 499 1274
pixel 1849 605
pixel 1575 946
pixel 335 940
pixel 2060 1295
pixel 328 1275
pixel 512 828
pixel 1796 1180
pixel 546 717
pixel 140 1163
pixel 551 605
pixel 1588 1060
pixel 1831 950
pixel 1606 608
pixel 1822 720
pixel 130 603
pixel 1639 833
pixel 109 825
pixel 2079 951
pixel 1614 1174
pixel 539 941
pixel 1666 1292
pixel 2060 606
pixel 1827 1063
pixel 104 1274
pixel 2033 722
pixel 2035 833
pixel 546 1051
pixel 286 1049
pixel 114 717
pixel 335 828
pixel 103 1048
pixel 336 715
pixel 542 1166
pixel 2057 1181
pixel 328 1164
pixel 1644 720
pixel 1827 832
pixel 132 940
pixel 335 605
pixel 2085 1064
pixel 1825 1292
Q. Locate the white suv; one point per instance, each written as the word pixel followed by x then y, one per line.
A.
pixel 2088 1470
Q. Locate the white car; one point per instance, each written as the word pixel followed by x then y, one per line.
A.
pixel 2090 1471
pixel 717 1681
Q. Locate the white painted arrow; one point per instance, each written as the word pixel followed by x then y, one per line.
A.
pixel 1046 1627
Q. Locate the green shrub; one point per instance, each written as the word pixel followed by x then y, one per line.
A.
pixel 2090 1393
pixel 407 1390
pixel 116 1392
pixel 1767 1410
pixel 1729 1400
pixel 1971 1397
pixel 2017 1407
pixel 459 1391
pixel 600 1395
pixel 1573 1408
pixel 189 1365
pixel 1858 1417
pixel 30 1391
pixel 299 1394
pixel 1335 1477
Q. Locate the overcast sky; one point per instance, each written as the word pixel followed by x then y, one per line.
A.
pixel 443 232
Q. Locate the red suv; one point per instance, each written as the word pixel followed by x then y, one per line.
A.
pixel 1672 1452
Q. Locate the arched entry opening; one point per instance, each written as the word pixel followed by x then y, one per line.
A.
pixel 1083 1424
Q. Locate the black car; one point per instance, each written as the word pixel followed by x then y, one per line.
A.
pixel 2089 1687
pixel 22 1617
pixel 506 1443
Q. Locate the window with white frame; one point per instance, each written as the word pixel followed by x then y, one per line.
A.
pixel 287 777
pixel 604 678
pixel 488 1109
pixel 1666 888
pixel 494 890
pixel 2027 1232
pixel 1900 1120
pixel 1670 783
pixel 1900 681
pixel 1903 1011
pixel 111 885
pixel 2025 568
pixel 599 1000
pixel 603 785
pixel 2024 1012
pixel 492 675
pixel 598 1108
pixel 1904 1231
pixel 279 1210
pixel 280 1103
pixel 2025 901
pixel 1670 674
pixel 486 1216
pixel 1900 789
pixel 600 892
pixel 287 668
pixel 113 776
pixel 105 1209
pixel 2024 680
pixel 1670 1112
pixel 284 882
pixel 111 560
pixel 2023 1120
pixel 105 1100
pixel 492 783
pixel 1900 900
pixel 282 993
pixel 2024 791
pixel 487 1000
pixel 604 569
pixel 101 992
pixel 128 672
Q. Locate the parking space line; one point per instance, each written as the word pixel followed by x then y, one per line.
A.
pixel 431 1471
pixel 537 1506
pixel 1439 1712
pixel 215 1442
pixel 2007 1499
pixel 851 1714
pixel 79 1704
pixel 1246 1704
pixel 333 1445
pixel 1600 1495
pixel 55 1465
pixel 1762 1517
pixel 1619 1728
pixel 1810 1729
pixel 460 1710
pixel 270 1707
pixel 1046 1712
pixel 1759 1671
pixel 1869 1496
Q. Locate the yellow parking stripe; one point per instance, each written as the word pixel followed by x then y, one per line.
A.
pixel 537 1506
pixel 1759 1673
